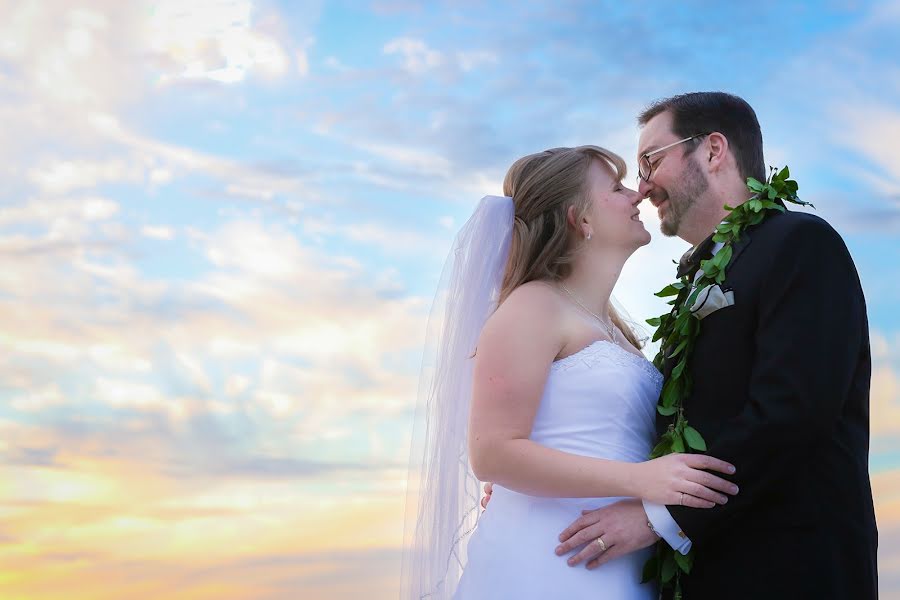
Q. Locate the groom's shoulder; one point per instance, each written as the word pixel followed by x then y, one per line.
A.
pixel 794 226
pixel 805 237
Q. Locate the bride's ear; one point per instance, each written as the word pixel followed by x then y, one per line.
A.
pixel 572 220
pixel 579 225
pixel 570 217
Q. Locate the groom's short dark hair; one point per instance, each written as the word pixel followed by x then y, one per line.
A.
pixel 704 112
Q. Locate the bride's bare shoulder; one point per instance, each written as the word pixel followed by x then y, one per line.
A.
pixel 527 324
pixel 530 302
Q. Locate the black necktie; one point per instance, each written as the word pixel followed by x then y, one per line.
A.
pixel 691 259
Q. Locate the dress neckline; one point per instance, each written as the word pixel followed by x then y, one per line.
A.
pixel 595 343
pixel 598 347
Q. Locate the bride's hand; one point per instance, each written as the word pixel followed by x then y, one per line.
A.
pixel 488 490
pixel 683 479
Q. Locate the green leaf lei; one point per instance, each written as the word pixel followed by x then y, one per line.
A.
pixel 678 330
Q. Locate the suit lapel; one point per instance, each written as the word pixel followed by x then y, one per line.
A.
pixel 738 248
pixel 746 239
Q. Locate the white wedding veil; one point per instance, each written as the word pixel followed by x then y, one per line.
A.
pixel 443 494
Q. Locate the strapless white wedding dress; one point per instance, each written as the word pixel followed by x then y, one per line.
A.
pixel 600 402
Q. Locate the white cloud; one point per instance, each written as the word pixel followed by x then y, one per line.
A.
pixel 212 39
pixel 302 57
pixel 67 56
pixel 250 247
pixel 38 399
pixel 158 232
pixel 61 176
pixel 114 358
pixel 236 178
pixel 869 127
pixel 309 330
pixel 160 175
pixel 417 56
pixel 885 390
pixel 471 60
pixel 423 162
pixel 126 393
pixel 243 191
pixel 302 63
pixel 236 384
pixel 885 401
pixel 50 210
pixel 333 62
pixel 390 239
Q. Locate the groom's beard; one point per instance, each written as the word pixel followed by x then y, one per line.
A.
pixel 692 184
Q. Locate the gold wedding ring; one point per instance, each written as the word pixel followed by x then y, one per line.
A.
pixel 600 543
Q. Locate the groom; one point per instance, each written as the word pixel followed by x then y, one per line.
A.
pixel 781 381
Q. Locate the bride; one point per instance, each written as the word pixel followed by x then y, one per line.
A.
pixel 533 381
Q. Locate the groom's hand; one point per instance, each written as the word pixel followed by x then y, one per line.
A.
pixel 622 527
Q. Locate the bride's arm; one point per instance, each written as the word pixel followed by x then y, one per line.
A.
pixel 516 348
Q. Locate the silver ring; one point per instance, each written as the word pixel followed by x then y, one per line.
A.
pixel 600 543
pixel 682 498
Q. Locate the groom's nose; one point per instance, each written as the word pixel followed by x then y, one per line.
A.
pixel 644 188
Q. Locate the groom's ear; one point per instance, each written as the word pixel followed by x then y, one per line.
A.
pixel 716 151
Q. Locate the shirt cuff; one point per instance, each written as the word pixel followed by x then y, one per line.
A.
pixel 666 527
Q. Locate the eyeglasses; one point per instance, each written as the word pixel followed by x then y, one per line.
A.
pixel 645 169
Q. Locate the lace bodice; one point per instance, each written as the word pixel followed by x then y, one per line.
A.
pixel 601 351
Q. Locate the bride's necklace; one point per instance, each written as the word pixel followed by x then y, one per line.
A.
pixel 610 328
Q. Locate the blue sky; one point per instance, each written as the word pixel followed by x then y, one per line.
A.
pixel 222 222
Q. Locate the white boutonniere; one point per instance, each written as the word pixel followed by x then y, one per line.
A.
pixel 711 299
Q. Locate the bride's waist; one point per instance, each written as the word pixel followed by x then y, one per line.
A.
pixel 568 509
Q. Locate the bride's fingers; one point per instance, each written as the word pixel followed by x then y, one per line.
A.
pixel 694 502
pixel 702 461
pixel 695 489
pixel 713 482
pixel 488 490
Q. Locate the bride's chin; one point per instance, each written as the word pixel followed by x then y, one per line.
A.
pixel 637 244
pixel 643 239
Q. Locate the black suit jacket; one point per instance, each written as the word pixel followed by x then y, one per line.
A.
pixel 781 390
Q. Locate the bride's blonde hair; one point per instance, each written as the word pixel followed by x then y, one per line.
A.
pixel 543 186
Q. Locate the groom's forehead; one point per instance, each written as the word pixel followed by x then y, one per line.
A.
pixel 655 133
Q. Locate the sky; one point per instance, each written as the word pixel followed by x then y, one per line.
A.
pixel 222 222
